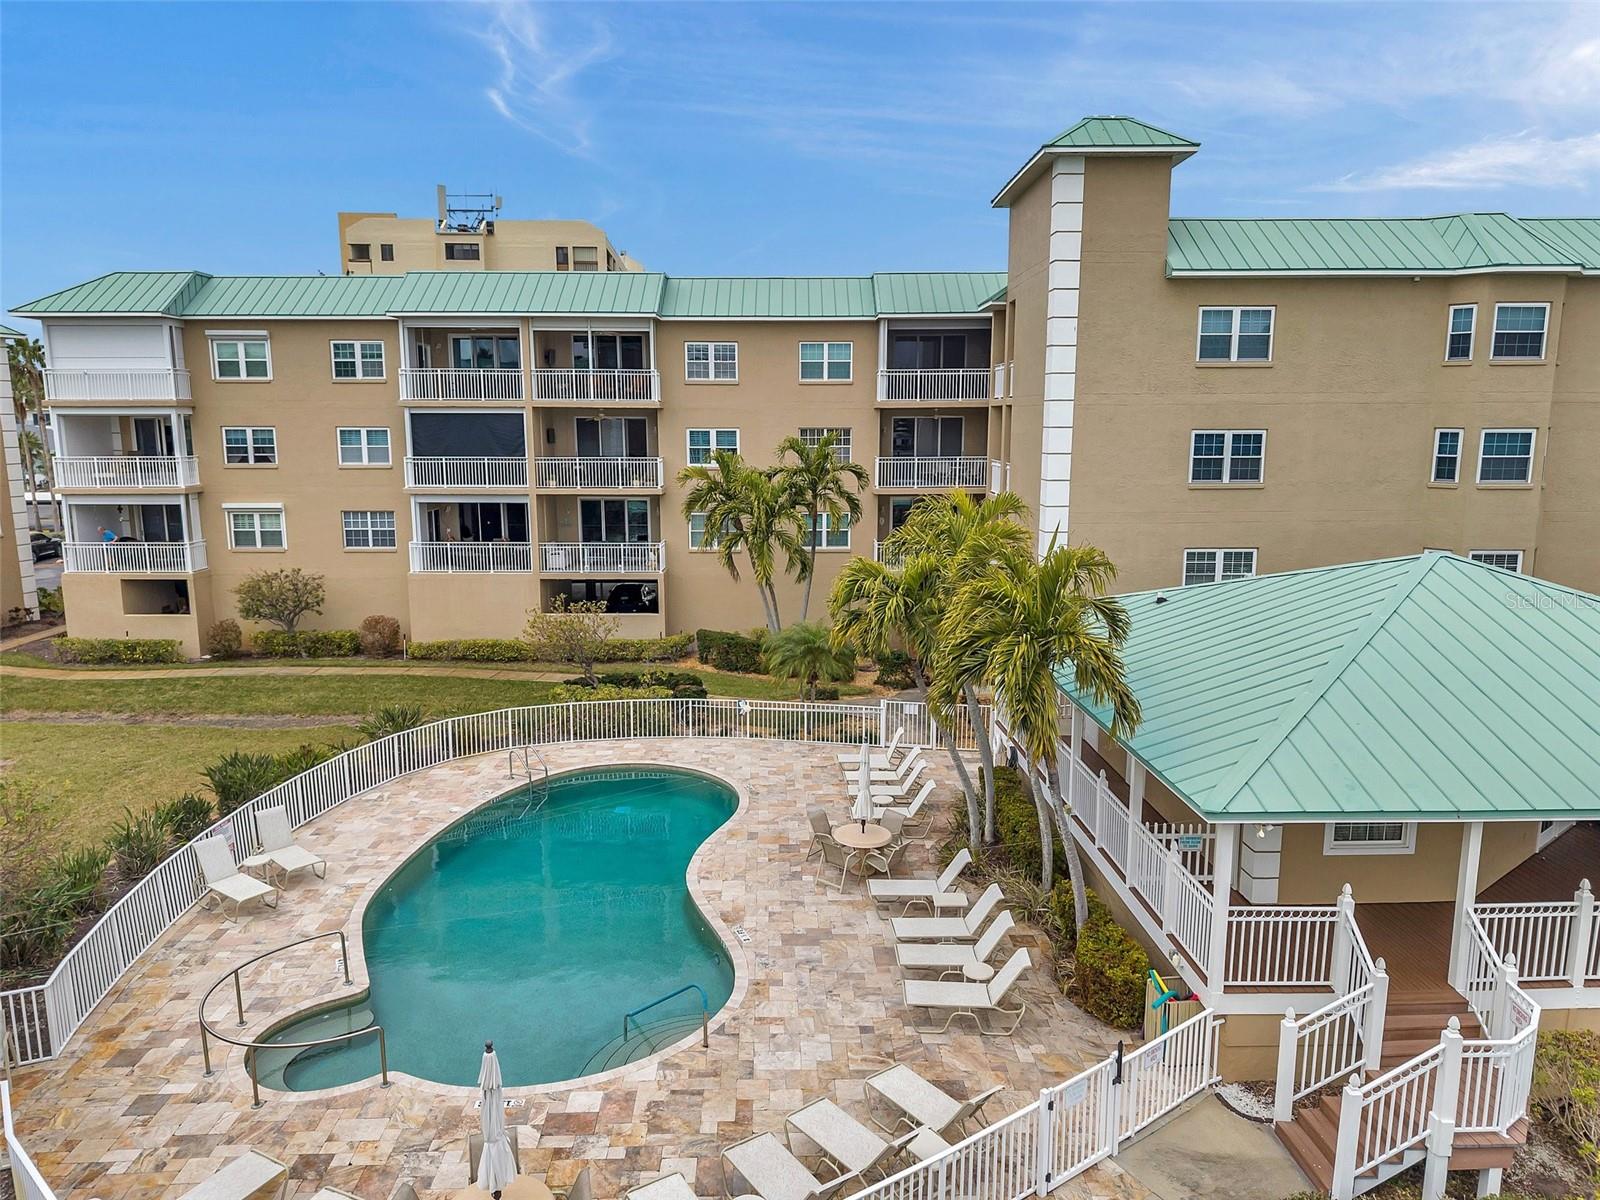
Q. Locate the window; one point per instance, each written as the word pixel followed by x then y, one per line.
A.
pixel 1446 456
pixel 253 446
pixel 614 521
pixel 562 261
pixel 813 436
pixel 711 360
pixel 1506 560
pixel 240 358
pixel 461 251
pixel 697 532
pixel 1506 456
pixel 1519 331
pixel 830 534
pixel 386 251
pixel 368 530
pixel 702 442
pixel 1369 837
pixel 486 352
pixel 585 258
pixel 364 447
pixel 1235 335
pixel 825 360
pixel 255 528
pixel 926 437
pixel 358 360
pixel 360 251
pixel 1458 341
pixel 1214 566
pixel 1227 455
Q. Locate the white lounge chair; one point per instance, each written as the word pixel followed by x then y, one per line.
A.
pixel 921 1104
pixel 919 829
pixel 772 1172
pixel 884 774
pixel 949 929
pixel 879 761
pixel 225 881
pixel 668 1187
pixel 971 999
pixel 853 1149
pixel 279 849
pixel 888 793
pixel 921 891
pixel 954 957
pixel 250 1175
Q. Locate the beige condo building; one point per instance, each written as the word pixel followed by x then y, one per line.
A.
pixel 1202 398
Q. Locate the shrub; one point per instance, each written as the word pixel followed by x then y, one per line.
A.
pixel 1063 925
pixel 1016 823
pixel 224 639
pixel 237 778
pixel 308 643
pixel 577 633
pixel 1110 973
pixel 806 652
pixel 391 718
pixel 690 691
pixel 729 651
pixel 894 670
pixel 380 637
pixel 187 817
pixel 138 844
pixel 1566 1088
pixel 119 650
pixel 75 878
pixel 280 598
pixel 473 650
pixel 50 602
pixel 565 692
pixel 825 693
pixel 661 649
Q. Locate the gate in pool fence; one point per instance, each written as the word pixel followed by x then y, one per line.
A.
pixel 42 1017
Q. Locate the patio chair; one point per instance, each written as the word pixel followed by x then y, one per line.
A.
pixel 948 929
pixel 971 999
pixel 922 891
pixel 280 850
pixel 582 1187
pixel 916 831
pixel 954 957
pixel 668 1187
pixel 225 881
pixel 884 774
pixel 404 1190
pixel 820 827
pixel 921 1104
pixel 772 1172
pixel 888 793
pixel 884 860
pixel 835 857
pixel 879 761
pixel 475 1153
pixel 844 1142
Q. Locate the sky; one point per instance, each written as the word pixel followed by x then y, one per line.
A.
pixel 751 139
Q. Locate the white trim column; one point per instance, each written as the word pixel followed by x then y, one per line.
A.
pixel 1466 893
pixel 1136 778
pixel 1222 868
pixel 1060 346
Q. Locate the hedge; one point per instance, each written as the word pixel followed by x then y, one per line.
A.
pixel 1016 823
pixel 684 685
pixel 1110 975
pixel 307 643
pixel 729 651
pixel 119 650
pixel 663 649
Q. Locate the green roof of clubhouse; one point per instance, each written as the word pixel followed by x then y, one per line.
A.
pixel 1428 688
pixel 1119 133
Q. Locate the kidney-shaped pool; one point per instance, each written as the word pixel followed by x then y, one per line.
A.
pixel 536 926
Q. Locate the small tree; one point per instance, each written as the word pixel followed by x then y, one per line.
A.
pixel 280 598
pixel 807 652
pixel 575 632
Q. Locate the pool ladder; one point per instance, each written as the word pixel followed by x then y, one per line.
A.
pixel 538 787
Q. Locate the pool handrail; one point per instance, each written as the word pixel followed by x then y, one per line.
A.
pixel 705 1011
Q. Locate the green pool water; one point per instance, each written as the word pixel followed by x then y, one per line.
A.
pixel 535 926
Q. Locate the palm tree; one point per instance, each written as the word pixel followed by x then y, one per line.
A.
pixel 25 360
pixel 746 510
pixel 817 481
pixel 1014 625
pixel 806 651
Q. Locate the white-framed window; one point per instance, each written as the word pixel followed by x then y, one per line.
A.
pixel 1235 335
pixel 1506 560
pixel 718 361
pixel 357 360
pixel 1506 456
pixel 1227 455
pixel 585 258
pixel 255 528
pixel 364 447
pixel 1214 566
pixel 697 532
pixel 825 361
pixel 1446 456
pixel 1519 331
pixel 812 435
pixel 1458 334
pixel 830 534
pixel 703 442
pixel 1549 831
pixel 1369 837
pixel 249 445
pixel 240 358
pixel 369 530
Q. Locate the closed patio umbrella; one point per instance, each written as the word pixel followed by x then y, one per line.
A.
pixel 862 811
pixel 497 1167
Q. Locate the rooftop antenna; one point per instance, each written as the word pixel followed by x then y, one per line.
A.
pixel 467 212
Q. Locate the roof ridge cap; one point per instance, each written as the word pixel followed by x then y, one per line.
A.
pixel 1359 638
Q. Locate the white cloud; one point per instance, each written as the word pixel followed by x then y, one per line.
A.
pixel 1522 159
pixel 534 88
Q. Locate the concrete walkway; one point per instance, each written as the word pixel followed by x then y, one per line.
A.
pixel 1207 1152
pixel 97 673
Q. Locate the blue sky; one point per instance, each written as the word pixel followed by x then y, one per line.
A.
pixel 750 139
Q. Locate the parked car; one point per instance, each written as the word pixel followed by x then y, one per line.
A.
pixel 632 598
pixel 45 546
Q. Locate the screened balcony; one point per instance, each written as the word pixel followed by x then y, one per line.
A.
pixel 462 365
pixel 467 451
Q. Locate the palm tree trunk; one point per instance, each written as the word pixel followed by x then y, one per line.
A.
pixel 1069 844
pixel 49 460
pixel 777 618
pixel 811 566
pixel 985 755
pixel 969 792
pixel 1047 849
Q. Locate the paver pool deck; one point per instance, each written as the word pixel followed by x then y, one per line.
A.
pixel 127 1112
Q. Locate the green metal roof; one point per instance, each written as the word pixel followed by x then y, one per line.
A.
pixel 1119 133
pixel 7 332
pixel 506 292
pixel 293 296
pixel 144 292
pixel 935 292
pixel 1403 245
pixel 850 296
pixel 1428 688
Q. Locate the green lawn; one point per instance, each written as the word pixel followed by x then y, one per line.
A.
pixel 86 774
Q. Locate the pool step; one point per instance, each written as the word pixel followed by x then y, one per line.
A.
pixel 642 1041
pixel 272 1063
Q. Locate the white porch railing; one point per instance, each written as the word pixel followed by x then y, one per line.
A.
pixel 134 558
pixel 460 383
pixel 602 557
pixel 112 386
pixel 1281 946
pixel 25 1175
pixel 433 558
pixel 999 381
pixel 130 472
pixel 1551 942
pixel 999 476
pixel 631 386
pixel 887 558
pixel 949 383
pixel 932 473
pixel 454 472
pixel 598 474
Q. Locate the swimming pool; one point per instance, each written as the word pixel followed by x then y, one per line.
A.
pixel 535 926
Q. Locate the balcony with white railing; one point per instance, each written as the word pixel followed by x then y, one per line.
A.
pixel 461 384
pixel 944 384
pixel 585 385
pixel 887 557
pixel 598 474
pixel 466 472
pixel 999 476
pixel 932 474
pixel 999 381
pixel 141 385
pixel 602 558
pixel 127 472
pixel 448 558
pixel 134 558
